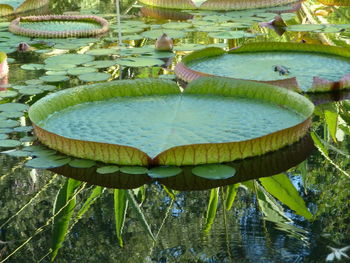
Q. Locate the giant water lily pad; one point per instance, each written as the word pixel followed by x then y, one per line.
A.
pixel 59 26
pixel 143 122
pixel 217 4
pixel 297 66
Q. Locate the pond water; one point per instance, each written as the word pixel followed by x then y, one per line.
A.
pixel 287 206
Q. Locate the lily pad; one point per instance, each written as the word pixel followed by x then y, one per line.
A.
pixel 8 123
pixel 139 62
pixel 32 66
pixel 306 67
pixel 82 163
pixel 8 94
pixel 81 70
pixel 164 172
pixel 107 169
pixel 54 78
pixel 305 28
pixel 94 77
pixel 172 128
pixel 214 171
pixel 154 34
pixel 11 114
pixel 75 59
pixel 3 136
pixel 13 107
pixel 100 64
pixel 229 35
pixel 47 162
pixel 30 91
pixel 102 52
pixel 9 143
pixel 133 170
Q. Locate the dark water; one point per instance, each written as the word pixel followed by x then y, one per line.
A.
pixel 176 209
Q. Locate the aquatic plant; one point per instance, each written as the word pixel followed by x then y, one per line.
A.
pixel 168 134
pixel 296 66
pixel 59 26
pixel 335 2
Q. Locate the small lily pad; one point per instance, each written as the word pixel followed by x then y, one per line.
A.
pixel 8 123
pixel 33 81
pixel 3 136
pixel 81 70
pixel 102 52
pixel 56 72
pixel 139 62
pixel 134 170
pixel 154 34
pixel 75 59
pixel 214 171
pixel 48 162
pixel 163 172
pixel 305 27
pixel 82 163
pixel 18 153
pixel 5 130
pixel 54 78
pixel 9 143
pixel 32 66
pixel 23 129
pixel 13 107
pixel 8 94
pixel 100 64
pixel 59 67
pixel 107 169
pixel 11 114
pixel 90 77
pixel 228 35
pixel 30 91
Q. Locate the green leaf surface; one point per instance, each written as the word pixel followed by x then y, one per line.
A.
pixel 120 208
pixel 231 193
pixel 9 143
pixel 75 59
pixel 164 172
pixel 47 162
pixel 133 170
pixel 94 77
pixel 107 169
pixel 82 163
pixel 13 107
pixel 96 193
pixel 282 188
pixel 214 171
pixel 212 208
pixel 64 206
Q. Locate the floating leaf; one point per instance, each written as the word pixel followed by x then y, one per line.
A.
pixel 102 52
pixel 32 66
pixel 82 163
pixel 154 34
pixel 18 153
pixel 8 94
pixel 30 91
pixel 9 143
pixel 139 62
pixel 81 70
pixel 214 171
pixel 107 169
pixel 94 77
pixel 100 64
pixel 54 78
pixel 47 162
pixel 133 170
pixel 8 123
pixel 11 114
pixel 164 172
pixel 13 107
pixel 305 27
pixel 75 59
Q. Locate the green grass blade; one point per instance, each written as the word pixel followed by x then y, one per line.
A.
pixel 231 193
pixel 120 208
pixel 61 221
pixel 282 188
pixel 212 207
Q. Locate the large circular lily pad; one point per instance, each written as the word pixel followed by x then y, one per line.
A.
pixel 216 4
pixel 151 122
pixel 59 26
pixel 301 67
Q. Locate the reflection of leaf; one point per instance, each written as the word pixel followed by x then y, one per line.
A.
pixel 139 213
pixel 231 195
pixel 120 207
pixel 62 219
pixel 91 199
pixel 212 207
pixel 282 188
